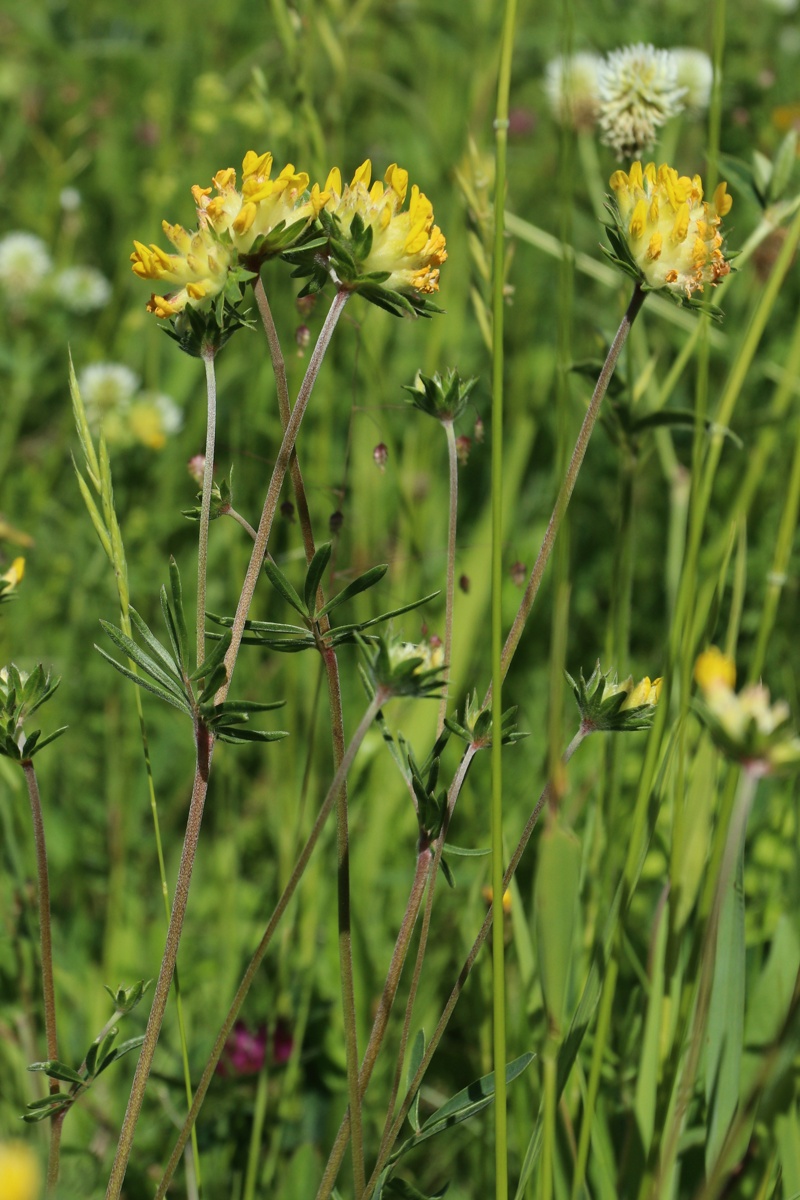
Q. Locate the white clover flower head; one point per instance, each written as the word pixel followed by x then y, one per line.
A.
pixel 639 92
pixel 106 389
pixel 70 199
pixel 572 87
pixel 24 263
pixel 82 289
pixel 695 73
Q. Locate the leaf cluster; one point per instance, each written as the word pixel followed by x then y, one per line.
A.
pixel 316 631
pixel 166 673
pixel 442 397
pixel 20 696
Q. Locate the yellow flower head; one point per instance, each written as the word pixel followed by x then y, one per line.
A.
pixel 235 227
pixel 671 233
pixel 19 1172
pixel 200 268
pixel 405 245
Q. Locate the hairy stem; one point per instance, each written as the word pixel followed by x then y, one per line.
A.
pixel 430 1050
pixel 566 489
pixel 381 1018
pixel 275 484
pixel 379 699
pixel 205 504
pixel 46 944
pixel 160 996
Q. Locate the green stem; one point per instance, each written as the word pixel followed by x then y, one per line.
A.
pixel 46 944
pixel 454 792
pixel 284 408
pixel 777 576
pixel 452 459
pixel 275 484
pixel 598 1053
pixel 498 306
pixel 373 708
pixel 205 505
pixel 730 394
pixel 430 1050
pixel 565 492
pixel 381 1019
pixel 256 1132
pixel 161 994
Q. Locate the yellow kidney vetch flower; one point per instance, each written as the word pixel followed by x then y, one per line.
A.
pixel 234 227
pixel 671 233
pixel 389 253
pixel 405 244
pixel 200 268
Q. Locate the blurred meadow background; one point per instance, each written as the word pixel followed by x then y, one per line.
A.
pixel 110 113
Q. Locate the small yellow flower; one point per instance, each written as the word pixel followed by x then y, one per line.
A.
pixel 405 244
pixel 744 724
pixel 14 574
pixel 714 669
pixel 671 233
pixel 488 894
pixel 20 1175
pixel 643 693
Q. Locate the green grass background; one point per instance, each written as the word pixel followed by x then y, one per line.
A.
pixel 131 105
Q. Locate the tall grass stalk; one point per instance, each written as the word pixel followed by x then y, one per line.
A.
pixel 209 353
pixel 452 523
pixel 498 367
pixel 98 469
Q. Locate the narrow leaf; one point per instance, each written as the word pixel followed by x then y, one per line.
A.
pixel 316 570
pixel 367 580
pixel 170 697
pixel 282 585
pixel 133 651
pixel 55 1069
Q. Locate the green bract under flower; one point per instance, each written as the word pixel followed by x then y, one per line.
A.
pixel 401 668
pixel 608 705
pixel 20 696
pixel 442 398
